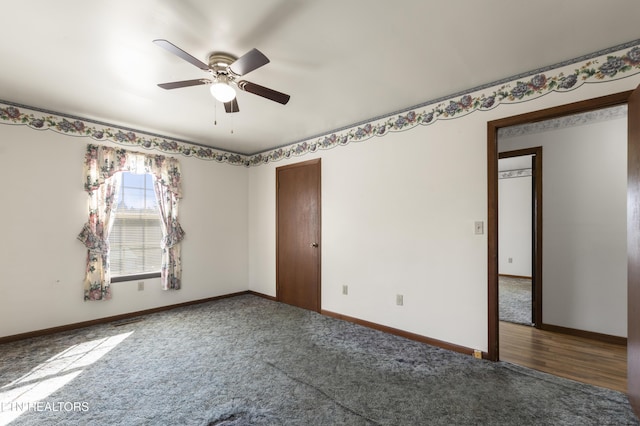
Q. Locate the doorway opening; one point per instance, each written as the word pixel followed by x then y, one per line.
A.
pixel 493 213
pixel 520 236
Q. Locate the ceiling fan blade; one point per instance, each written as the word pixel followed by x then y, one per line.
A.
pixel 231 106
pixel 185 83
pixel 248 62
pixel 265 92
pixel 181 53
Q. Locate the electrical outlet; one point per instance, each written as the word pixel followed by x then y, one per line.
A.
pixel 399 300
pixel 140 285
pixel 511 260
pixel 345 289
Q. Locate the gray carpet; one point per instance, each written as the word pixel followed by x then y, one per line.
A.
pixel 514 300
pixel 250 361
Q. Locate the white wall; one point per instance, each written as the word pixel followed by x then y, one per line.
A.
pixel 262 235
pixel 390 228
pixel 584 224
pixel 44 208
pixel 514 225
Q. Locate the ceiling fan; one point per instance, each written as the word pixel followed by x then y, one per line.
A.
pixel 225 70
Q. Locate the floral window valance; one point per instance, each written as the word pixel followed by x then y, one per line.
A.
pixel 102 162
pixel 101 167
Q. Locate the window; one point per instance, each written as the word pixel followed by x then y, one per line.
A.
pixel 134 241
pixel 136 238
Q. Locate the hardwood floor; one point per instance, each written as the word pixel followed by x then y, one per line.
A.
pixel 577 358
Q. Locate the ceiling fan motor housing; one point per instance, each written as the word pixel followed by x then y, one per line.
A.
pixel 219 64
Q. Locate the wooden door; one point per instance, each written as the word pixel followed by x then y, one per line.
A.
pixel 633 251
pixel 298 234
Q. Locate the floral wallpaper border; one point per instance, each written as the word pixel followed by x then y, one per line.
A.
pixel 72 126
pixel 610 66
pixel 613 66
pixel 575 120
pixel 510 174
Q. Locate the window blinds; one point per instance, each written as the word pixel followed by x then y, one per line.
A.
pixel 135 237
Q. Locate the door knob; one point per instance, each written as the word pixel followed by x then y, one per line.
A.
pixel 314 244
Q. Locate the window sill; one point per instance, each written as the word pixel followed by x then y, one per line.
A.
pixel 124 278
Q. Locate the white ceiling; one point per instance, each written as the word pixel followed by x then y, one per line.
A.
pixel 342 61
pixel 514 163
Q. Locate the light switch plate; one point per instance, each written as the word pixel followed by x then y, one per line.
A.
pixel 479 228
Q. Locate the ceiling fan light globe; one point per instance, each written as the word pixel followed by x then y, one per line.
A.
pixel 223 92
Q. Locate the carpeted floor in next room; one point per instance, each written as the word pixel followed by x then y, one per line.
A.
pixel 250 361
pixel 514 299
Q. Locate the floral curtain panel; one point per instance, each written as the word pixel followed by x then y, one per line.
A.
pixel 101 168
pixel 95 235
pixel 172 232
